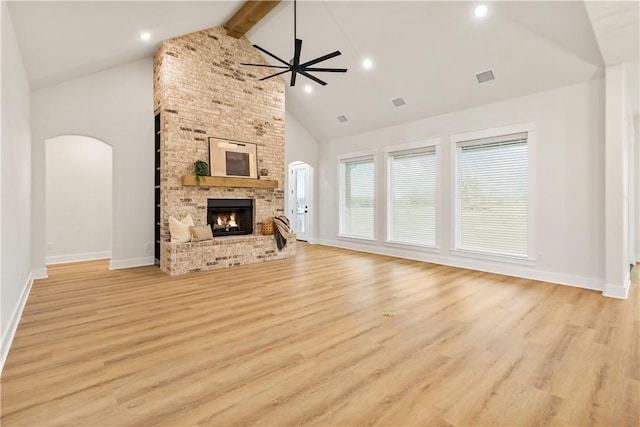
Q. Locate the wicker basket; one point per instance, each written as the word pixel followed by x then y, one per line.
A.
pixel 267 228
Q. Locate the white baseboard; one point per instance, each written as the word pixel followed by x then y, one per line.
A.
pixel 132 262
pixel 39 273
pixel 472 264
pixel 617 291
pixel 89 256
pixel 10 332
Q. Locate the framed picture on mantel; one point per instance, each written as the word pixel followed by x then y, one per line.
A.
pixel 237 159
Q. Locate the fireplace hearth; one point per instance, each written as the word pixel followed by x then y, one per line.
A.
pixel 230 217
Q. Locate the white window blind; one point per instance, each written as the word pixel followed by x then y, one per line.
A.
pixel 492 196
pixel 357 206
pixel 412 197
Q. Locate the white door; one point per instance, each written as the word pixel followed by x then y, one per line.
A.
pixel 299 197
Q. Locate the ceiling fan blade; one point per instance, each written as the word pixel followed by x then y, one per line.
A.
pixel 271 55
pixel 294 73
pixel 327 70
pixel 296 53
pixel 273 75
pixel 268 66
pixel 314 78
pixel 322 58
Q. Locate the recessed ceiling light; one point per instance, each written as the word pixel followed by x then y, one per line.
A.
pixel 481 11
pixel 308 89
pixel 367 63
pixel 145 36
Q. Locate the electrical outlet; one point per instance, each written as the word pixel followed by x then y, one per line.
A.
pixel 539 256
pixel 147 247
pixel 49 246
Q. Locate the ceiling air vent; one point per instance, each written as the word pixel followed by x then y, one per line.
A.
pixel 485 76
pixel 342 119
pixel 398 102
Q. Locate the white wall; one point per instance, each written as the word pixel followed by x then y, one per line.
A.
pixel 2 25
pixel 617 183
pixel 15 275
pixel 636 178
pixel 78 201
pixel 632 95
pixel 569 182
pixel 115 106
pixel 300 146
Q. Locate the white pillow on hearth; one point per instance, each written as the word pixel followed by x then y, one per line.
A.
pixel 201 233
pixel 179 230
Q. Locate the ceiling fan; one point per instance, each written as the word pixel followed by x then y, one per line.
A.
pixel 294 65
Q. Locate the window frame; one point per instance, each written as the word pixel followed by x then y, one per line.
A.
pixel 354 157
pixel 468 137
pixel 409 148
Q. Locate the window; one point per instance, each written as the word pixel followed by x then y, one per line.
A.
pixel 412 196
pixel 357 197
pixel 492 195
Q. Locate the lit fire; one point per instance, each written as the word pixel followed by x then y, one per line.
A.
pixel 230 222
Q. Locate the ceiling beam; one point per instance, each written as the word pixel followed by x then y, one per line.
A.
pixel 249 15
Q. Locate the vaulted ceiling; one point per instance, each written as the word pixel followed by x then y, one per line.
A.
pixel 426 52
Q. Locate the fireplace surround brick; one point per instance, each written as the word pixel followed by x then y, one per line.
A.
pixel 201 90
pixel 225 252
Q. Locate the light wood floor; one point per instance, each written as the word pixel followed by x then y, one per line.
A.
pixel 305 342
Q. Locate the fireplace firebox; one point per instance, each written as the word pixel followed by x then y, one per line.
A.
pixel 230 217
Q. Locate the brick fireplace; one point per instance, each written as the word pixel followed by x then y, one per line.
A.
pixel 202 91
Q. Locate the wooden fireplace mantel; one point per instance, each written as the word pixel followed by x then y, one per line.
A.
pixel 221 181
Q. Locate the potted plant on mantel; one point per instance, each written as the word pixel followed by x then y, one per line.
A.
pixel 200 169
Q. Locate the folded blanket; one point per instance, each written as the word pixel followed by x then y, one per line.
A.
pixel 281 231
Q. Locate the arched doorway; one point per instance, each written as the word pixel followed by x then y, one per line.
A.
pixel 79 189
